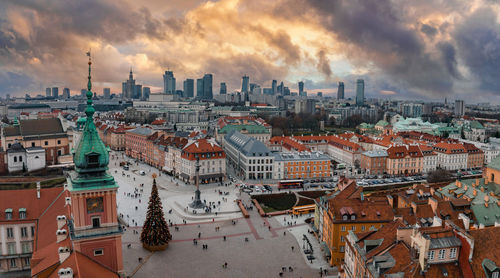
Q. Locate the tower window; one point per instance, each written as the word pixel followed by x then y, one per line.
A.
pixel 93 160
pixel 96 222
pixel 98 252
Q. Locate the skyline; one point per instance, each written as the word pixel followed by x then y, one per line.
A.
pixel 422 50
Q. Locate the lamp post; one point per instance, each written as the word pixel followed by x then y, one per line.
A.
pixel 197 203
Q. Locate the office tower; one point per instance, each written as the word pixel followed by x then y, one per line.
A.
pixel 252 86
pixel 320 94
pixel 256 90
pixel 207 86
pixel 340 91
pixel 286 90
pixel 128 86
pixel 146 91
pixel 47 92
pixel 199 88
pixel 106 93
pixel 55 92
pixel 169 83
pixel 223 88
pixel 188 87
pixel 83 92
pixel 360 92
pixel 280 89
pixel 274 86
pixel 459 108
pixel 66 93
pixel 244 84
pixel 137 91
pixel 301 88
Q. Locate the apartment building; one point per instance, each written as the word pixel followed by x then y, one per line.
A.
pixel 301 165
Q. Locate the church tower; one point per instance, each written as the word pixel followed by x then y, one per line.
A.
pixel 94 227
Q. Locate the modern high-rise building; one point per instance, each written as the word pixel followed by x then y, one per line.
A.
pixel 169 83
pixel 223 88
pixel 66 93
pixel 106 93
pixel 199 88
pixel 340 91
pixel 188 87
pixel 130 89
pixel 360 92
pixel 55 92
pixel 207 86
pixel 274 86
pixel 137 91
pixel 244 84
pixel 320 94
pixel 146 91
pixel 459 107
pixel 280 89
pixel 47 92
pixel 301 89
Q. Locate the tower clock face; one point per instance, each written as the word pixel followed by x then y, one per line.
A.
pixel 95 205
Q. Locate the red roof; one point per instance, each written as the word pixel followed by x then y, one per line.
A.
pixel 158 122
pixel 449 148
pixel 398 152
pixel 204 148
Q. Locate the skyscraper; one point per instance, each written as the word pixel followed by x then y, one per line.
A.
pixel 360 92
pixel 47 92
pixel 207 86
pixel 301 88
pixel 340 91
pixel 55 92
pixel 199 88
pixel 137 91
pixel 106 92
pixel 169 83
pixel 188 87
pixel 274 86
pixel 223 88
pixel 146 91
pixel 459 107
pixel 244 83
pixel 280 89
pixel 66 93
pixel 128 86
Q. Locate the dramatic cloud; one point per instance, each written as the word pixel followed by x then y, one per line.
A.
pixel 422 49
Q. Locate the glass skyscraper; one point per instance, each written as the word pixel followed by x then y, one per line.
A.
pixel 188 88
pixel 169 83
pixel 340 91
pixel 360 92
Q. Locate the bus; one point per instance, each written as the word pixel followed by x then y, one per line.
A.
pixel 286 184
pixel 305 209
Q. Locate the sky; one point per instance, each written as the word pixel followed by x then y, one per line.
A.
pixel 404 49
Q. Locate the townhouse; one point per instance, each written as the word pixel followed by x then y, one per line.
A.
pixel 404 160
pixel 451 156
pixel 301 165
pixel 211 159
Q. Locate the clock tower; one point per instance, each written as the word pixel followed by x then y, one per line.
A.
pixel 94 227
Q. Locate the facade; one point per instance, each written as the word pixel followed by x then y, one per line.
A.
pixel 25 159
pixel 136 142
pixel 106 93
pixel 250 158
pixel 211 159
pixel 301 165
pixel 48 134
pixel 474 131
pixel 404 160
pixel 340 91
pixel 459 108
pixel 188 88
pixel 248 125
pixel 305 106
pixel 451 156
pixel 374 162
pixel 475 156
pixel 173 162
pixel 223 88
pixel 430 158
pixel 245 81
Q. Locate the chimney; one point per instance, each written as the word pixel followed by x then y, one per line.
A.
pixel 477 182
pixel 474 192
pixel 38 187
pixel 62 234
pixel 61 220
pixel 482 188
pixel 65 272
pixel 63 254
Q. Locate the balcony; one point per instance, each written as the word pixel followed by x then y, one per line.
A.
pixel 92 232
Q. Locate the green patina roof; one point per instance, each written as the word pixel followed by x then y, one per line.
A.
pixel 483 215
pixel 249 128
pixel 91 156
pixel 382 123
pixel 365 125
pixel 476 124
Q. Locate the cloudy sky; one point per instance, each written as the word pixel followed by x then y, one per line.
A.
pixel 426 49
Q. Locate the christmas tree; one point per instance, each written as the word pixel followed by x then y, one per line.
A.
pixel 155 234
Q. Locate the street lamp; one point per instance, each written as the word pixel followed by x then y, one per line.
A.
pixel 197 203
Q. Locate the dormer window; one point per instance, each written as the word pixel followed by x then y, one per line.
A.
pixel 353 217
pixel 8 214
pixel 345 217
pixel 22 213
pixel 93 160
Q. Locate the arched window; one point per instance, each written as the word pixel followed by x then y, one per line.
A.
pixel 15 158
pixel 20 159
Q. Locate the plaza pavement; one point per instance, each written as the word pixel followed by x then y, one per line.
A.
pixel 263 255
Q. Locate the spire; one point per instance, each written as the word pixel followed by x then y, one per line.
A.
pixel 90 110
pixel 131 75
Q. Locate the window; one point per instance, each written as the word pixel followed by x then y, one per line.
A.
pixel 342 228
pixel 15 158
pixel 22 214
pixel 27 261
pixel 342 249
pixel 96 222
pixel 20 159
pixel 24 232
pixel 11 248
pixel 32 231
pixel 10 233
pixel 341 238
pixel 453 253
pixel 362 228
pixel 442 252
pixel 8 215
pixel 32 144
pixel 431 255
pixel 345 217
pixel 46 143
pixel 13 263
pixel 98 252
pixel 353 228
pixel 494 274
pixel 26 247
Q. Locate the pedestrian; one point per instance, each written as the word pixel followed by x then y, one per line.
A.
pixel 225 265
pixel 224 238
pixel 199 235
pixel 290 269
pixel 284 233
pixel 292 248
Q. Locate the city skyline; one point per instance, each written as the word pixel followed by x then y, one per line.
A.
pixel 403 50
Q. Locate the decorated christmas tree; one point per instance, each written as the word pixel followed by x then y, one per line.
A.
pixel 155 234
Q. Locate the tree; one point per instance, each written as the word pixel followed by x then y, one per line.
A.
pixel 155 234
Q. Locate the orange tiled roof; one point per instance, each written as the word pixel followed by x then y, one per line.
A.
pixel 399 152
pixel 449 148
